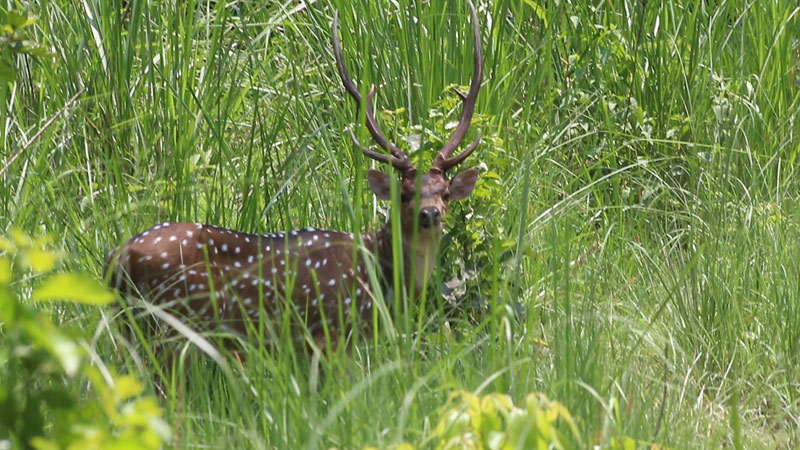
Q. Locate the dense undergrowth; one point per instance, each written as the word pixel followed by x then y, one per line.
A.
pixel 631 250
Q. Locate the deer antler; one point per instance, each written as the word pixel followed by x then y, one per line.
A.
pixel 443 160
pixel 398 158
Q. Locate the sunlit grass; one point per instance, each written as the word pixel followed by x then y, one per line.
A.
pixel 633 237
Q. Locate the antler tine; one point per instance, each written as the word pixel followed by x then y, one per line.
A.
pixel 443 161
pixel 381 157
pixel 458 159
pixel 459 93
pixel 398 159
pixel 349 86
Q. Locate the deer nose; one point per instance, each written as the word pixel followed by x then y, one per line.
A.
pixel 430 217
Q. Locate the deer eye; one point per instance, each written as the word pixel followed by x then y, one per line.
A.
pixel 446 196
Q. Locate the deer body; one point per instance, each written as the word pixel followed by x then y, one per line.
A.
pixel 210 274
pixel 213 273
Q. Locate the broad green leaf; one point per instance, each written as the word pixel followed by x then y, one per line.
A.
pixel 7 73
pixel 65 350
pixel 40 443
pixel 8 307
pixel 5 271
pixel 18 21
pixel 15 19
pixel 75 288
pixel 42 51
pixel 57 398
pixel 538 10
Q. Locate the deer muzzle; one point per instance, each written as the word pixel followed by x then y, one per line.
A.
pixel 430 217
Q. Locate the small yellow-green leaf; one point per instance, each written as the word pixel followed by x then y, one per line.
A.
pixel 62 347
pixel 75 288
pixel 20 237
pixel 6 245
pixel 127 387
pixel 8 307
pixel 40 443
pixel 5 271
pixel 7 72
pixel 16 20
pixel 39 260
pixel 67 352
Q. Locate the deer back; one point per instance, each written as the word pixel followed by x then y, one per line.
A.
pixel 214 274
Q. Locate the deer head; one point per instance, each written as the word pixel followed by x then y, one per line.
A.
pixel 435 189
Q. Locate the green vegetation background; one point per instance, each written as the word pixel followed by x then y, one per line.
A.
pixel 631 250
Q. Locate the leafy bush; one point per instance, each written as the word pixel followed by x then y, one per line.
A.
pixel 494 422
pixel 46 371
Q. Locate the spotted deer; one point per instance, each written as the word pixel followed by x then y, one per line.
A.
pixel 209 274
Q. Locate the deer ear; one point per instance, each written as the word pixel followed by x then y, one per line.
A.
pixel 462 184
pixel 379 182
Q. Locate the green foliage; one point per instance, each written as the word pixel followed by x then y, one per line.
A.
pixel 13 41
pixel 493 422
pixel 54 395
pixel 474 242
pixel 639 200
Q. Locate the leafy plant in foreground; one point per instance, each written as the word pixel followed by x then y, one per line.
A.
pixel 46 372
pixel 13 41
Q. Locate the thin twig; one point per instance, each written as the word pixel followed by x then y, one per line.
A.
pixel 41 130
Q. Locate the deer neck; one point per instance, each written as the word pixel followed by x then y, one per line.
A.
pixel 419 256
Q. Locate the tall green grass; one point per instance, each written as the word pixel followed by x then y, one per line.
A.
pixel 633 238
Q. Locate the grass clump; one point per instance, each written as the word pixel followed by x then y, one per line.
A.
pixel 630 250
